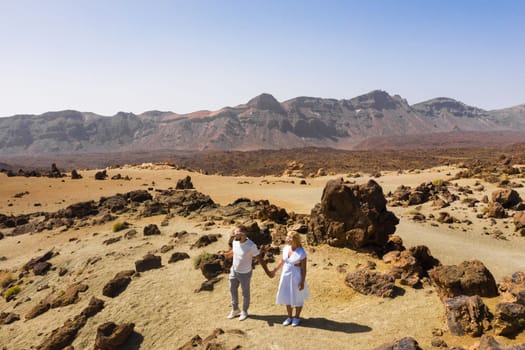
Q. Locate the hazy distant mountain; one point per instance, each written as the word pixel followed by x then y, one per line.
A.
pixel 262 123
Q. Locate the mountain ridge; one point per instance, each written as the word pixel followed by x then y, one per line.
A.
pixel 261 123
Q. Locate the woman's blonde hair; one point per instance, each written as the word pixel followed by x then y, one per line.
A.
pixel 294 235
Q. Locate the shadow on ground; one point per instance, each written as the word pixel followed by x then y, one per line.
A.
pixel 316 322
pixel 134 341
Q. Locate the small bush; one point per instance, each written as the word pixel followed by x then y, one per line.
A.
pixel 521 322
pixel 14 290
pixel 6 278
pixel 198 259
pixel 438 182
pixel 118 226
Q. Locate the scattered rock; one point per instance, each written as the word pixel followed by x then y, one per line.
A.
pixel 111 336
pixel 178 256
pixel 118 284
pixel 148 262
pixel 66 334
pixel 208 285
pixel 370 282
pixel 205 240
pixel 488 342
pixel 8 317
pixel 151 229
pixel 70 296
pixel 407 343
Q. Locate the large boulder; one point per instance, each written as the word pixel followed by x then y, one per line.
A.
pixel 411 265
pixel 507 197
pixel 519 222
pixel 512 288
pixel 351 216
pixel 467 315
pixel 467 278
pixel 508 320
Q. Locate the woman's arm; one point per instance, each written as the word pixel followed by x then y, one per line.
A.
pixel 303 274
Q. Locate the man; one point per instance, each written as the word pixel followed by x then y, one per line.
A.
pixel 243 251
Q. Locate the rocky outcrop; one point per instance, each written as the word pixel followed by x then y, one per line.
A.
pixel 184 184
pixel 467 278
pixel 352 216
pixel 406 196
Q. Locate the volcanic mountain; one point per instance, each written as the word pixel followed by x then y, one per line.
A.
pixel 373 120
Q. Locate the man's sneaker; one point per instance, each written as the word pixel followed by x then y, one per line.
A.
pixel 295 322
pixel 233 314
pixel 244 315
pixel 287 322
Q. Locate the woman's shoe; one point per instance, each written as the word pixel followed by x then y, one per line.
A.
pixel 295 322
pixel 287 322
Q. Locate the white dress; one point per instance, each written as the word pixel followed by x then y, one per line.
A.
pixel 288 292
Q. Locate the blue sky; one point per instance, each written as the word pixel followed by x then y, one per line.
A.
pixel 182 56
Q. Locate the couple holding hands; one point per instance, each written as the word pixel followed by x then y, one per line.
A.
pixel 292 289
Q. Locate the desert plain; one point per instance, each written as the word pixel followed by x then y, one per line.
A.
pixel 163 303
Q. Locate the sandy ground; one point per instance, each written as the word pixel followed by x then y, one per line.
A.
pixel 166 310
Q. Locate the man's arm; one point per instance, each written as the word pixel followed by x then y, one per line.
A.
pixel 264 265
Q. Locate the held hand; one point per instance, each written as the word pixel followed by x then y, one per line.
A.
pixel 271 274
pixel 301 285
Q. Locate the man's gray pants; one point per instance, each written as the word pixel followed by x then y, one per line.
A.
pixel 243 279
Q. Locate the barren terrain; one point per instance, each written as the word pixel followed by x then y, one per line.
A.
pixel 163 304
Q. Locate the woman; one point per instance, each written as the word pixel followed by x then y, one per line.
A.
pixel 292 287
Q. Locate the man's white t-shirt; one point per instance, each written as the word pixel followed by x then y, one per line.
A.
pixel 242 255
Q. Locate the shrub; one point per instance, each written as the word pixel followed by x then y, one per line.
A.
pixel 118 226
pixel 521 322
pixel 6 278
pixel 14 290
pixel 438 182
pixel 203 257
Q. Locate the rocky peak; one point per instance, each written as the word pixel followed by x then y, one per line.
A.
pixel 444 106
pixel 376 99
pixel 266 102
